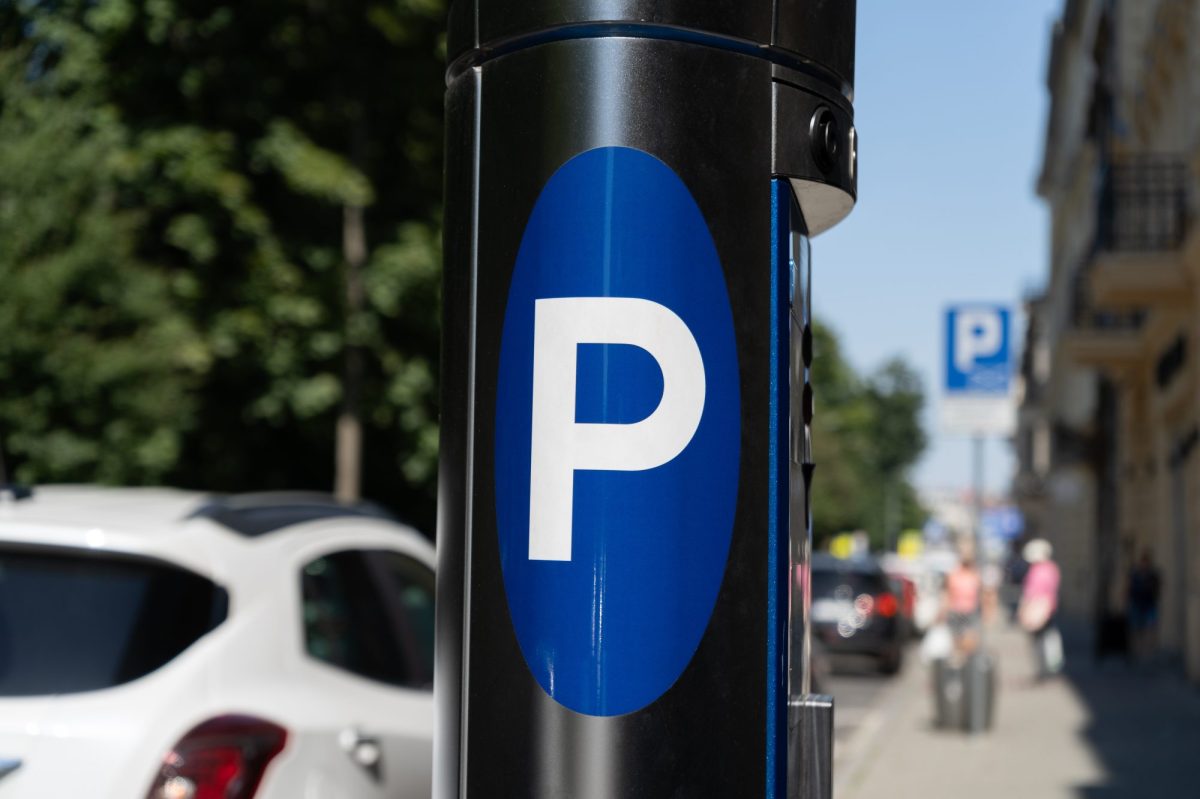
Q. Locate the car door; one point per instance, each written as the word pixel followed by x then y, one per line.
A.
pixel 407 587
pixel 368 636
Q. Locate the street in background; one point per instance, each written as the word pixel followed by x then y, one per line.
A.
pixel 976 401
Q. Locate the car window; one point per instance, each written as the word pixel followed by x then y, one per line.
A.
pixel 72 621
pixel 409 585
pixel 826 583
pixel 370 612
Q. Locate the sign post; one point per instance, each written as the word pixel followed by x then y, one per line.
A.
pixel 625 403
pixel 977 401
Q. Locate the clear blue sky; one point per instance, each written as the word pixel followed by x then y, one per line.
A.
pixel 950 106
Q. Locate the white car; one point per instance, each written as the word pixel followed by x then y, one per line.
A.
pixel 162 644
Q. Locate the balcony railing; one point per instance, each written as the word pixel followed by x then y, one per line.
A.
pixel 1143 204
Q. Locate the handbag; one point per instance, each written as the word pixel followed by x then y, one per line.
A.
pixel 1052 650
pixel 937 644
pixel 1034 614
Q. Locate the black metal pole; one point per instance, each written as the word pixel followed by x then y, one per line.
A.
pixel 623 479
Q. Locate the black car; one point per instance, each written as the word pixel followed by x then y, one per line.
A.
pixel 855 611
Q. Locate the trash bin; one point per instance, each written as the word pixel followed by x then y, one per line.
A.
pixel 965 693
pixel 949 695
pixel 979 681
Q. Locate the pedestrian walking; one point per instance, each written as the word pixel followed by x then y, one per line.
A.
pixel 1039 602
pixel 1142 595
pixel 964 677
pixel 962 602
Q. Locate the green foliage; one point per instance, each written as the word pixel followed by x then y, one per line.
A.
pixel 311 170
pixel 173 178
pixel 866 435
pixel 896 398
pixel 97 359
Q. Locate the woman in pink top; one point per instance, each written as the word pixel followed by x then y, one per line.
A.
pixel 1039 600
pixel 962 597
pixel 962 588
pixel 1041 586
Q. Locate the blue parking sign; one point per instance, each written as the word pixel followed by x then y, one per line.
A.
pixel 618 429
pixel 978 350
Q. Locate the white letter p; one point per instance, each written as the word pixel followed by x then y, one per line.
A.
pixel 977 334
pixel 560 445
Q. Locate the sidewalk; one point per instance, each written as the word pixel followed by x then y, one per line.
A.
pixel 1100 732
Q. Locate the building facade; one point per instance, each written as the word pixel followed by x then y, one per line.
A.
pixel 1110 407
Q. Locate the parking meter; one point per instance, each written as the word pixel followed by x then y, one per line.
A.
pixel 623 530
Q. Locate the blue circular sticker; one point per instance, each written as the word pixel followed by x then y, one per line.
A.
pixel 617 432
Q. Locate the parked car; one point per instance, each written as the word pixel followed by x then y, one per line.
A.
pixel 854 610
pixel 906 591
pixel 163 644
pixel 921 599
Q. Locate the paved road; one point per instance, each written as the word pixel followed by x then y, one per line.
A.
pixel 1102 731
pixel 858 688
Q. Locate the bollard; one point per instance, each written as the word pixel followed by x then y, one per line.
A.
pixel 623 529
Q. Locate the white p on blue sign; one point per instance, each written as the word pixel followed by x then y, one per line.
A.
pixel 978 349
pixel 978 369
pixel 617 433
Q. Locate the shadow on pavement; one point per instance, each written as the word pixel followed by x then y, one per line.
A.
pixel 1144 728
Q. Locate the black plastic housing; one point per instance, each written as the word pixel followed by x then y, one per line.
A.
pixel 730 95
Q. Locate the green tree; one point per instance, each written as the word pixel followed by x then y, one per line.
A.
pixel 276 172
pixel 840 447
pixel 896 397
pixel 866 435
pixel 97 358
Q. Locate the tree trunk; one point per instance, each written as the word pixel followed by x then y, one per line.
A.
pixel 348 465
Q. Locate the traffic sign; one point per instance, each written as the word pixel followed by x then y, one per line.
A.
pixel 976 391
pixel 617 432
pixel 1004 522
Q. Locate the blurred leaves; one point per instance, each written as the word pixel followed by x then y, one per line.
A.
pixel 172 182
pixel 310 170
pixel 866 435
pixel 98 360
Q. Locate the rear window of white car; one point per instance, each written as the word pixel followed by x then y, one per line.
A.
pixel 75 621
pixel 830 583
pixel 370 612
